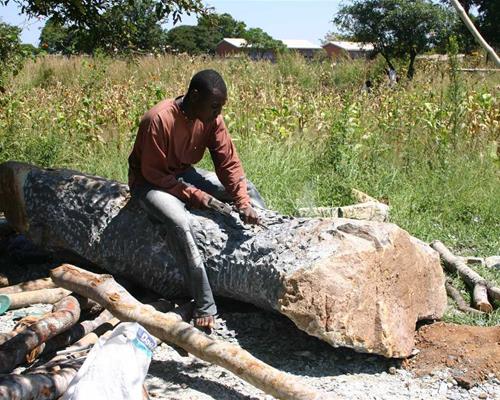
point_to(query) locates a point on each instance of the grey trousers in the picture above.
(171, 213)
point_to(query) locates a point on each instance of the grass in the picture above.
(307, 133)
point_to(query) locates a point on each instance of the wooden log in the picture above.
(70, 336)
(39, 386)
(25, 299)
(323, 274)
(4, 281)
(13, 352)
(170, 327)
(478, 69)
(461, 304)
(48, 382)
(86, 333)
(362, 197)
(370, 211)
(20, 326)
(38, 284)
(475, 281)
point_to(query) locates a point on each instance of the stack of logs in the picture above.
(86, 306)
(482, 290)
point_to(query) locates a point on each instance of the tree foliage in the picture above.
(211, 29)
(258, 39)
(11, 52)
(88, 13)
(203, 37)
(397, 28)
(486, 21)
(109, 25)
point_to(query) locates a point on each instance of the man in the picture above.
(173, 136)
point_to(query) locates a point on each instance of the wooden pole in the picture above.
(13, 352)
(46, 296)
(475, 32)
(461, 304)
(478, 284)
(169, 327)
(38, 284)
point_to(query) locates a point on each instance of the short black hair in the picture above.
(206, 82)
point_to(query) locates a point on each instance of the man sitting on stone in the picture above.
(173, 136)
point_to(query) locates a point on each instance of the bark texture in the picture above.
(351, 283)
(169, 327)
(70, 336)
(480, 286)
(39, 386)
(461, 303)
(369, 211)
(14, 352)
(25, 299)
(38, 284)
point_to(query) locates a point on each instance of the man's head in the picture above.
(206, 95)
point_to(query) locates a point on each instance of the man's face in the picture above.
(208, 107)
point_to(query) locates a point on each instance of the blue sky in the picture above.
(282, 19)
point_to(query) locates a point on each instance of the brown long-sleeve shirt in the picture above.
(168, 143)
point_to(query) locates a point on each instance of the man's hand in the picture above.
(205, 200)
(249, 215)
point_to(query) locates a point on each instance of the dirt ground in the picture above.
(471, 352)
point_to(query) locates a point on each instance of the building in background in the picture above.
(337, 49)
(232, 46)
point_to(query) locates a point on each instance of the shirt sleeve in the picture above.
(228, 165)
(154, 165)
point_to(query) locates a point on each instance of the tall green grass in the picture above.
(307, 133)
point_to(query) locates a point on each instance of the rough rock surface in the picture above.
(350, 283)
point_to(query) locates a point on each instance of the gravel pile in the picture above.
(276, 341)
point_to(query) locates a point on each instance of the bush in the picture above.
(11, 52)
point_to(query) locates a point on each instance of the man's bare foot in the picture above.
(207, 322)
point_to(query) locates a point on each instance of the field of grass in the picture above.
(307, 133)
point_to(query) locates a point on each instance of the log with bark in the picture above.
(13, 352)
(38, 284)
(170, 328)
(25, 299)
(20, 326)
(461, 303)
(481, 288)
(51, 379)
(351, 283)
(70, 336)
(40, 386)
(369, 211)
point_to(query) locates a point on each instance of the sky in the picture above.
(282, 19)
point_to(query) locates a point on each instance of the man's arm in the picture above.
(154, 166)
(230, 171)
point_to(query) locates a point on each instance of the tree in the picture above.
(397, 28)
(211, 29)
(184, 39)
(204, 37)
(11, 52)
(258, 39)
(54, 37)
(86, 13)
(128, 26)
(111, 25)
(486, 21)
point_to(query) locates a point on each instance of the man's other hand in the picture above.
(249, 215)
(205, 200)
